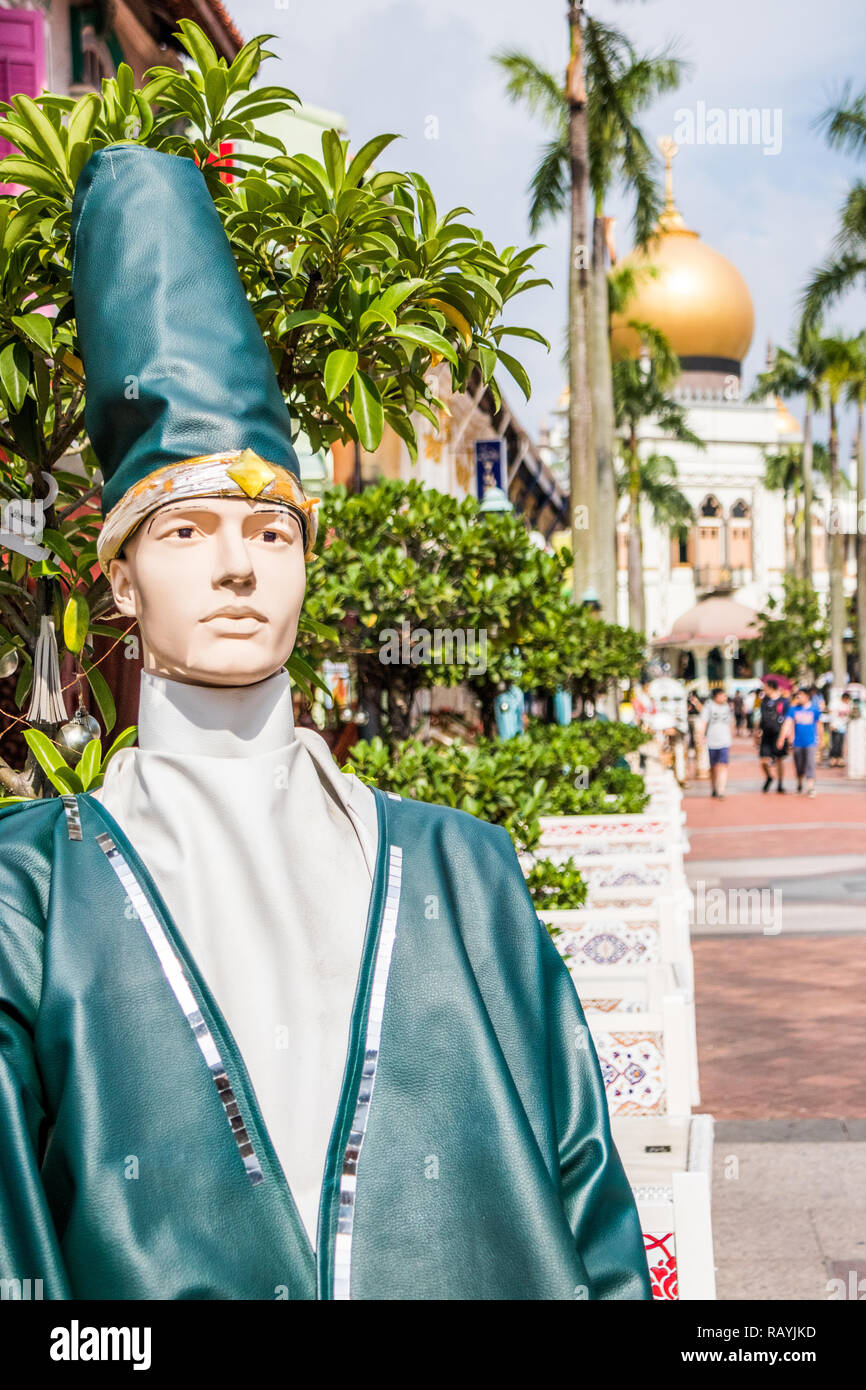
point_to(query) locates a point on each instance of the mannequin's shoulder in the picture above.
(31, 821)
(451, 829)
(28, 839)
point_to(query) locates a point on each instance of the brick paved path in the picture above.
(782, 1018)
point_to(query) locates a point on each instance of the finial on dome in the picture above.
(670, 149)
(671, 218)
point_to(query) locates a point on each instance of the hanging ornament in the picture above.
(75, 735)
(9, 663)
(46, 701)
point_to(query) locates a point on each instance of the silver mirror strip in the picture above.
(73, 816)
(173, 971)
(378, 990)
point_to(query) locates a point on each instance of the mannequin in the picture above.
(265, 1033)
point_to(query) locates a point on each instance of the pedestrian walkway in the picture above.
(780, 978)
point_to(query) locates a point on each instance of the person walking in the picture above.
(769, 735)
(738, 706)
(716, 726)
(801, 729)
(840, 713)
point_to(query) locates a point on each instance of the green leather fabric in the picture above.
(175, 363)
(487, 1169)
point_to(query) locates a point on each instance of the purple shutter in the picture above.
(22, 61)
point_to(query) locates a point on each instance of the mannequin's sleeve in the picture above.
(29, 1249)
(596, 1194)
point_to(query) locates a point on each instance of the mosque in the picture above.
(702, 592)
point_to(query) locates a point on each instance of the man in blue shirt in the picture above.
(801, 726)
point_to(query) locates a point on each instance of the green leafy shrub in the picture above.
(555, 886)
(547, 770)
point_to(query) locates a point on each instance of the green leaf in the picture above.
(246, 64)
(305, 675)
(79, 154)
(88, 766)
(365, 156)
(49, 140)
(59, 545)
(367, 410)
(101, 693)
(198, 45)
(523, 333)
(46, 753)
(124, 740)
(517, 371)
(332, 151)
(65, 780)
(36, 327)
(425, 337)
(14, 169)
(339, 366)
(84, 116)
(216, 89)
(304, 316)
(487, 358)
(15, 367)
(76, 622)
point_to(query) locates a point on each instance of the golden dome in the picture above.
(787, 424)
(698, 299)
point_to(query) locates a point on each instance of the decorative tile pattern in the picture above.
(619, 943)
(611, 1006)
(662, 1261)
(632, 1065)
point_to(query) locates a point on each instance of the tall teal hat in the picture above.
(182, 398)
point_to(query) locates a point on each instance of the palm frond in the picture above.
(549, 185)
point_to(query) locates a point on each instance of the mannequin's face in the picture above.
(216, 585)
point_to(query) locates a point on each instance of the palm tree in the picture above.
(798, 372)
(856, 395)
(640, 392)
(783, 472)
(651, 480)
(840, 364)
(845, 128)
(594, 137)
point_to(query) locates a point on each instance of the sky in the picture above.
(391, 65)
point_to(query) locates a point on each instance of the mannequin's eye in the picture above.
(183, 530)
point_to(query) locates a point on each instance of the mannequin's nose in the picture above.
(233, 560)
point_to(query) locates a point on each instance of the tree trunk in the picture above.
(807, 493)
(582, 467)
(604, 427)
(860, 542)
(837, 560)
(636, 605)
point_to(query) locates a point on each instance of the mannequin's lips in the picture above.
(236, 615)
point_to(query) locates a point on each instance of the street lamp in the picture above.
(495, 500)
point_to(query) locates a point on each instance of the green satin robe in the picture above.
(470, 1156)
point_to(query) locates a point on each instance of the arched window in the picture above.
(709, 540)
(740, 536)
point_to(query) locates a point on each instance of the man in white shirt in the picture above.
(716, 727)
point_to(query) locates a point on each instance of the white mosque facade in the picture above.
(741, 544)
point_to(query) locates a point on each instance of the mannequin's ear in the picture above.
(122, 586)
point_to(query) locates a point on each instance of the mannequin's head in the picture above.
(190, 565)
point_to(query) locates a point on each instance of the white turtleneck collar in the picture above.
(217, 721)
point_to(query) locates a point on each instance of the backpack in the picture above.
(772, 717)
